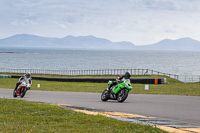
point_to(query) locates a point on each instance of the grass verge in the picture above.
(173, 87)
(23, 116)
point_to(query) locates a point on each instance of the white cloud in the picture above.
(138, 21)
(23, 22)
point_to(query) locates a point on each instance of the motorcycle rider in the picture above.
(27, 76)
(126, 76)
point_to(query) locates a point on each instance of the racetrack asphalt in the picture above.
(181, 108)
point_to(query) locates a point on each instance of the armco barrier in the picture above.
(102, 80)
(149, 80)
(4, 76)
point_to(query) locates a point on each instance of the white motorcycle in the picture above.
(22, 88)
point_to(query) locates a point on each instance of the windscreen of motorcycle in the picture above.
(23, 84)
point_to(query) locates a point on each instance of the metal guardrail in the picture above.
(88, 72)
(101, 80)
(189, 78)
(183, 78)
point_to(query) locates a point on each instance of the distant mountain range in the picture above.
(92, 42)
(182, 44)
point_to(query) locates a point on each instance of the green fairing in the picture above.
(120, 86)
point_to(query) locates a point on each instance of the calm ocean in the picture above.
(174, 62)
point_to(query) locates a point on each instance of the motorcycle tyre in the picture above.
(124, 97)
(22, 94)
(14, 93)
(106, 96)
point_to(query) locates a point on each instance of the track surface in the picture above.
(181, 108)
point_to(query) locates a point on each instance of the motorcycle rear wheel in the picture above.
(122, 95)
(105, 95)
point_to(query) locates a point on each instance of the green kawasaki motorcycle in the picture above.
(119, 91)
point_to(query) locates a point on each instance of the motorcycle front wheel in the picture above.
(122, 95)
(23, 92)
(14, 93)
(105, 95)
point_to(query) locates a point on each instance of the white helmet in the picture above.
(28, 74)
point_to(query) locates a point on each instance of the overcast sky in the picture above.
(138, 21)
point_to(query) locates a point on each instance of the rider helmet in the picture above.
(28, 74)
(127, 75)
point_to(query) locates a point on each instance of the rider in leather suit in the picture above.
(26, 76)
(127, 76)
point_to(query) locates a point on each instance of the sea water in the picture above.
(173, 62)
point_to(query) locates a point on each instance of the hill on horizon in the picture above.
(182, 44)
(92, 42)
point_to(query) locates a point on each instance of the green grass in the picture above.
(188, 89)
(22, 116)
(57, 86)
(173, 87)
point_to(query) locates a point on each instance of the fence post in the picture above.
(199, 78)
(191, 78)
(185, 78)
